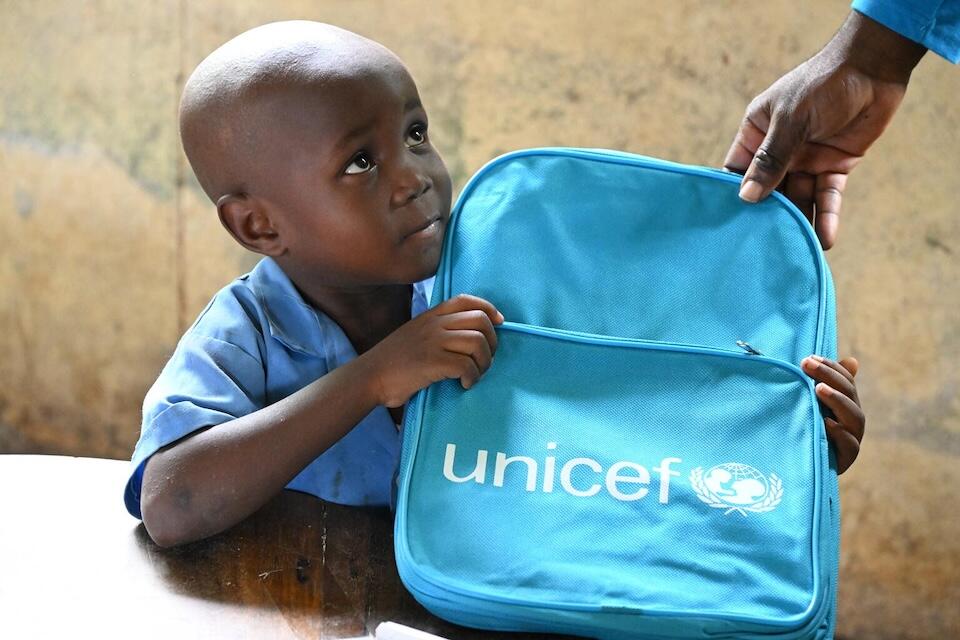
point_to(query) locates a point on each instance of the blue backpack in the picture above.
(644, 458)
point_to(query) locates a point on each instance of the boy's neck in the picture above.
(366, 314)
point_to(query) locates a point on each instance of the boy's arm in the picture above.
(215, 477)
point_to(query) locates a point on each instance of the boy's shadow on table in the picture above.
(321, 569)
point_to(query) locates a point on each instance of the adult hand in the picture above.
(807, 131)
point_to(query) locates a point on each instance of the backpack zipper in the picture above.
(748, 348)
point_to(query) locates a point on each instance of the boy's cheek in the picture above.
(443, 182)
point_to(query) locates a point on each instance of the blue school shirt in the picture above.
(933, 23)
(257, 342)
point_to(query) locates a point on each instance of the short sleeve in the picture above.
(933, 23)
(207, 381)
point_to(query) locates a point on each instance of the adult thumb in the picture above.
(772, 159)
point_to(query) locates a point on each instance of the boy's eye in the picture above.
(417, 135)
(361, 163)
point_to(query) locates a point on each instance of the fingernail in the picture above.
(817, 358)
(811, 363)
(751, 190)
(500, 316)
(824, 389)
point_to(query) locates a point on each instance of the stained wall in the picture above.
(111, 250)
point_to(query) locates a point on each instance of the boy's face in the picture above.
(351, 180)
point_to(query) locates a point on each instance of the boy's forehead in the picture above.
(301, 78)
(327, 108)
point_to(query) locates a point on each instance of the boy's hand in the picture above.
(455, 339)
(838, 391)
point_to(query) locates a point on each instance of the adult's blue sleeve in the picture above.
(933, 23)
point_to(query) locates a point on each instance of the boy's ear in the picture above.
(249, 224)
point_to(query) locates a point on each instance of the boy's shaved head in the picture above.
(312, 142)
(233, 103)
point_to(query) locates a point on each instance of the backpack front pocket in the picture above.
(599, 474)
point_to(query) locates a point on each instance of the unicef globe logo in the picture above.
(737, 487)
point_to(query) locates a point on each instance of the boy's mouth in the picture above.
(428, 228)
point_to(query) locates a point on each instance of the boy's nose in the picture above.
(410, 183)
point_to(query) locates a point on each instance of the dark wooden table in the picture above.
(74, 564)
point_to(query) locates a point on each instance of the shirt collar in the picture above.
(422, 291)
(292, 321)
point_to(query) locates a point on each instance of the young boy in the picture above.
(312, 141)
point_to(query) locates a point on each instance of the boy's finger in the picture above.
(823, 372)
(836, 366)
(848, 413)
(467, 302)
(456, 365)
(846, 444)
(470, 343)
(850, 364)
(475, 320)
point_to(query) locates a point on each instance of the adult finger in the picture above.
(745, 143)
(799, 190)
(466, 302)
(475, 320)
(772, 159)
(829, 196)
(470, 343)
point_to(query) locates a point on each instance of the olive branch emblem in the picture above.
(769, 502)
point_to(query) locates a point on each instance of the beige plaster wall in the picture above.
(110, 250)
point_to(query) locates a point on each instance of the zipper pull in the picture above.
(749, 349)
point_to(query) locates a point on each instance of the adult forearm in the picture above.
(214, 478)
(873, 49)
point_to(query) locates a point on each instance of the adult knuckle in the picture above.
(830, 191)
(792, 111)
(759, 104)
(767, 161)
